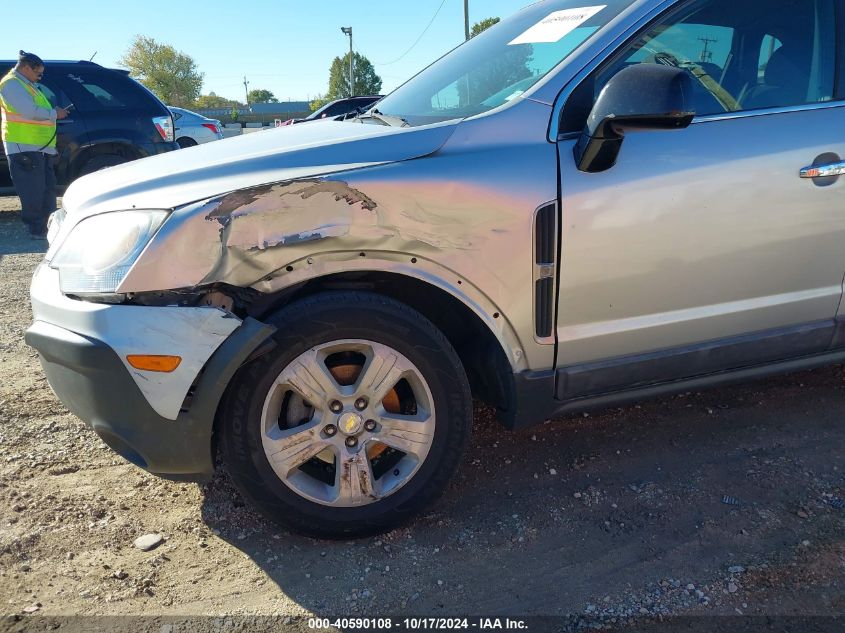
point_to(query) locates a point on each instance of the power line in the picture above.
(430, 22)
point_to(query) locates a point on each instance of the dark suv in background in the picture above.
(114, 118)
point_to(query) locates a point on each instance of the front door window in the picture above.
(742, 55)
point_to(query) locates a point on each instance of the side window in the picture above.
(770, 45)
(47, 85)
(740, 55)
(51, 90)
(708, 45)
(51, 96)
(102, 90)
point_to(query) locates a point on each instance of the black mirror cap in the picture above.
(645, 93)
(644, 96)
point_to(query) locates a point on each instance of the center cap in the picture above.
(350, 423)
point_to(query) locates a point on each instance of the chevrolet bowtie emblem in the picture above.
(350, 423)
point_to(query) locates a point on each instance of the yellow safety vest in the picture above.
(18, 129)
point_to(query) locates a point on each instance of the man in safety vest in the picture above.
(29, 138)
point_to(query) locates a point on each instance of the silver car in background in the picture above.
(579, 207)
(192, 128)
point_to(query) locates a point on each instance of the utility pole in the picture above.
(706, 53)
(466, 19)
(347, 30)
(246, 92)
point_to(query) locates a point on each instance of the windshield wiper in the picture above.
(387, 119)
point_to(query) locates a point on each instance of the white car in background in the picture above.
(192, 128)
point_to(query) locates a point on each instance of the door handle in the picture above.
(824, 171)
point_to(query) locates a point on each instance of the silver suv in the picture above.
(580, 207)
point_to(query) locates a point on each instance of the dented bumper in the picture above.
(142, 416)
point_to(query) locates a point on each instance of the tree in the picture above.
(318, 103)
(366, 81)
(170, 74)
(211, 100)
(261, 96)
(485, 24)
(497, 73)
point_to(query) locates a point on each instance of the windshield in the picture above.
(499, 64)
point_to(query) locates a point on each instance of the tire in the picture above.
(185, 141)
(101, 161)
(316, 484)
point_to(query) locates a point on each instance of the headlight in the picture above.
(100, 250)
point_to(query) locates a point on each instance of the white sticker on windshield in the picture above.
(555, 25)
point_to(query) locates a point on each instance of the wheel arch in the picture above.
(186, 140)
(489, 352)
(86, 154)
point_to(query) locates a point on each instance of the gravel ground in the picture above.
(727, 502)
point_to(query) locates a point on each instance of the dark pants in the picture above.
(35, 183)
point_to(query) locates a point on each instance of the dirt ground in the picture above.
(726, 502)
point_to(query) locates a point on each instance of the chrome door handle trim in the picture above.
(824, 171)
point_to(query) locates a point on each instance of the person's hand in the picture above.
(62, 113)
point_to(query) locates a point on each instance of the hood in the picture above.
(182, 176)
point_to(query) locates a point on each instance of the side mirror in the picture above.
(644, 96)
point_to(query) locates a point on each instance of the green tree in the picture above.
(365, 79)
(318, 103)
(170, 74)
(485, 24)
(211, 100)
(261, 96)
(491, 76)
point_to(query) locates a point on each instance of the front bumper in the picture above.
(82, 347)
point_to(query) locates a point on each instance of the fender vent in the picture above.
(545, 268)
(543, 309)
(544, 235)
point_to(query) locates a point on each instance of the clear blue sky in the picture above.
(285, 47)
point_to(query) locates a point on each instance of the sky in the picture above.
(281, 46)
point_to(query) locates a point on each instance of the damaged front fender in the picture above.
(459, 219)
(246, 236)
(278, 235)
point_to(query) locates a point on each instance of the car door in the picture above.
(118, 112)
(71, 134)
(704, 249)
(178, 122)
(186, 126)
